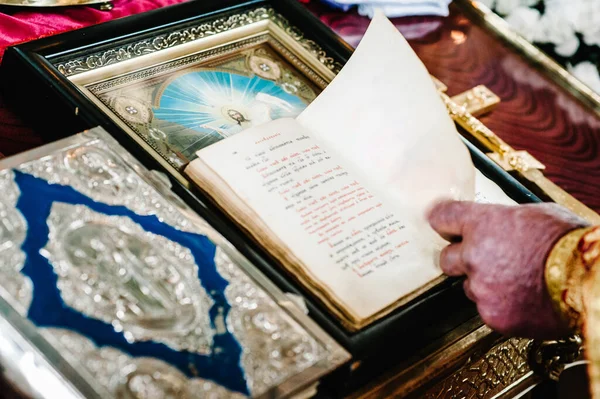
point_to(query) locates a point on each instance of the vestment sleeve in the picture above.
(573, 280)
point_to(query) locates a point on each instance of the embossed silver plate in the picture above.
(116, 249)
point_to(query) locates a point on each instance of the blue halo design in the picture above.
(200, 101)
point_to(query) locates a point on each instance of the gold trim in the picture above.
(486, 375)
(520, 161)
(304, 55)
(471, 361)
(477, 101)
(592, 335)
(443, 356)
(151, 45)
(559, 267)
(279, 25)
(467, 345)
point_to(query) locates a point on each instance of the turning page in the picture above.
(383, 113)
(339, 194)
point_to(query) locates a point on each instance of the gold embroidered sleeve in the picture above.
(573, 281)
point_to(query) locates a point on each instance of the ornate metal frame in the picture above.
(60, 364)
(470, 360)
(197, 45)
(202, 31)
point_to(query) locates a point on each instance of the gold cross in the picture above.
(480, 100)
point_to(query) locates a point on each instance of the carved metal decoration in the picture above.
(134, 98)
(139, 378)
(549, 358)
(98, 172)
(272, 348)
(485, 375)
(109, 268)
(12, 234)
(509, 159)
(178, 37)
(145, 286)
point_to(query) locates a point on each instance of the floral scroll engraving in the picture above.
(178, 37)
(484, 376)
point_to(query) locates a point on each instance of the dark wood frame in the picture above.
(58, 109)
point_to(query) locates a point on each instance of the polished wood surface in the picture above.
(535, 113)
(15, 133)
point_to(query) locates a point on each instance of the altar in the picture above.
(527, 124)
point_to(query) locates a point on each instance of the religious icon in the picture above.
(202, 107)
(179, 111)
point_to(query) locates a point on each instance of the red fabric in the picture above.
(18, 25)
(22, 25)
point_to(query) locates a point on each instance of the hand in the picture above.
(502, 250)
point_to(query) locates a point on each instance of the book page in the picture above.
(488, 192)
(383, 113)
(343, 189)
(348, 235)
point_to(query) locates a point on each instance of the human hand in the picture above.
(502, 250)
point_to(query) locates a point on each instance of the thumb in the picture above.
(451, 219)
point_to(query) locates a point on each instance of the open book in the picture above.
(339, 194)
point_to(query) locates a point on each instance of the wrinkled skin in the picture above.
(502, 250)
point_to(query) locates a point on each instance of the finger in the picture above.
(451, 219)
(493, 317)
(468, 290)
(451, 260)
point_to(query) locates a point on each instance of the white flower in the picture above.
(587, 73)
(582, 15)
(524, 21)
(568, 47)
(554, 28)
(505, 7)
(548, 4)
(591, 35)
(567, 10)
(587, 21)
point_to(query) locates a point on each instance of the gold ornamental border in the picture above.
(203, 30)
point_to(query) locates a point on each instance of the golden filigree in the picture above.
(477, 101)
(485, 375)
